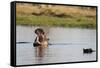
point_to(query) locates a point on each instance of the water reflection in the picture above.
(39, 51)
(27, 54)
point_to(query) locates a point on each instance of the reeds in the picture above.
(48, 15)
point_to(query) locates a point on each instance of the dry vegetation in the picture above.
(68, 16)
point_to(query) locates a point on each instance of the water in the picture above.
(74, 40)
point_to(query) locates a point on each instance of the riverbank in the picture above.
(55, 15)
(81, 22)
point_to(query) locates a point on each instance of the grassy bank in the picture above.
(81, 22)
(54, 16)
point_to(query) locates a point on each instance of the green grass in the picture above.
(78, 21)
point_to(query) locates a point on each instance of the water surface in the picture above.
(68, 44)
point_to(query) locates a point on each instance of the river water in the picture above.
(67, 45)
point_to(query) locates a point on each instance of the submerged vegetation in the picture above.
(54, 15)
